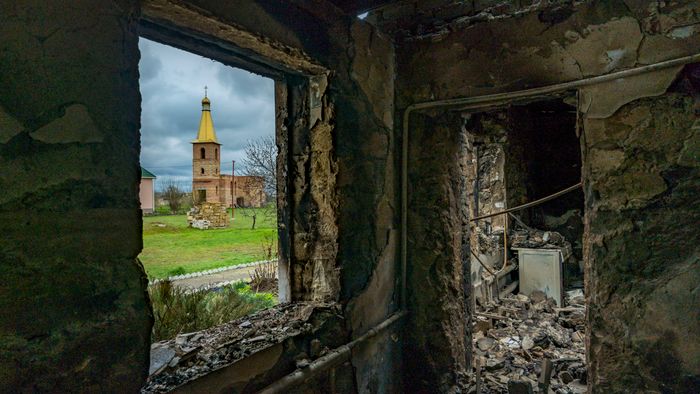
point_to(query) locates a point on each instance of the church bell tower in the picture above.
(206, 163)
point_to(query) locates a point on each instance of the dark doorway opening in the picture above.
(526, 264)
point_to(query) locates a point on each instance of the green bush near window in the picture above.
(178, 311)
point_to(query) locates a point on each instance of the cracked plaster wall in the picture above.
(506, 54)
(74, 315)
(639, 166)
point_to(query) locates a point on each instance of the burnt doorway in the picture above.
(526, 265)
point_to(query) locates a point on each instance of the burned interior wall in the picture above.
(494, 55)
(487, 185)
(74, 314)
(439, 286)
(642, 178)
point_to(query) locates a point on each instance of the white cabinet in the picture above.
(541, 269)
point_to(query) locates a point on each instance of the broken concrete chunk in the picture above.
(485, 343)
(160, 357)
(246, 324)
(493, 364)
(566, 377)
(527, 343)
(519, 387)
(174, 362)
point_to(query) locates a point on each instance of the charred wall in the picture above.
(641, 177)
(74, 315)
(70, 119)
(439, 286)
(637, 315)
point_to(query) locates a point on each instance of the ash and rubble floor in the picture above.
(513, 336)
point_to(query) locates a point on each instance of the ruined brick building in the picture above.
(208, 183)
(377, 123)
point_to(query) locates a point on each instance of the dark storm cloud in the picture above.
(172, 87)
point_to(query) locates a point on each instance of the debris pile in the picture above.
(189, 356)
(513, 337)
(208, 215)
(533, 238)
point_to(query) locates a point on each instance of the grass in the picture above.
(177, 311)
(170, 247)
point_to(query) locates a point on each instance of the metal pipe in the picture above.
(336, 357)
(505, 242)
(531, 203)
(482, 263)
(493, 99)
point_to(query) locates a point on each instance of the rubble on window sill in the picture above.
(189, 356)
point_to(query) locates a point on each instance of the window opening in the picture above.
(205, 207)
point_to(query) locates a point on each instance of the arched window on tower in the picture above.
(202, 170)
(216, 153)
(202, 153)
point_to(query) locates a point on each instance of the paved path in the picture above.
(235, 274)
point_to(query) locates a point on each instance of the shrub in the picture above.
(264, 276)
(180, 270)
(177, 310)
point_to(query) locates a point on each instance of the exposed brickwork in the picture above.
(213, 213)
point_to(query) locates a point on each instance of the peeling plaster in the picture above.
(602, 100)
(9, 126)
(603, 48)
(75, 125)
(375, 78)
(682, 32)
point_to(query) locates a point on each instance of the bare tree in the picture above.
(173, 192)
(260, 161)
(257, 207)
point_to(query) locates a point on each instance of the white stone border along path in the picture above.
(211, 271)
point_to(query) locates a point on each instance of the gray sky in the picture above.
(172, 87)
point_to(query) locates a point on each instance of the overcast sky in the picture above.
(172, 88)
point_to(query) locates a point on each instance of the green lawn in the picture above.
(177, 249)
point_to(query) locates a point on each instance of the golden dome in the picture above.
(206, 125)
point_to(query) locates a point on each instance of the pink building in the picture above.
(147, 191)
